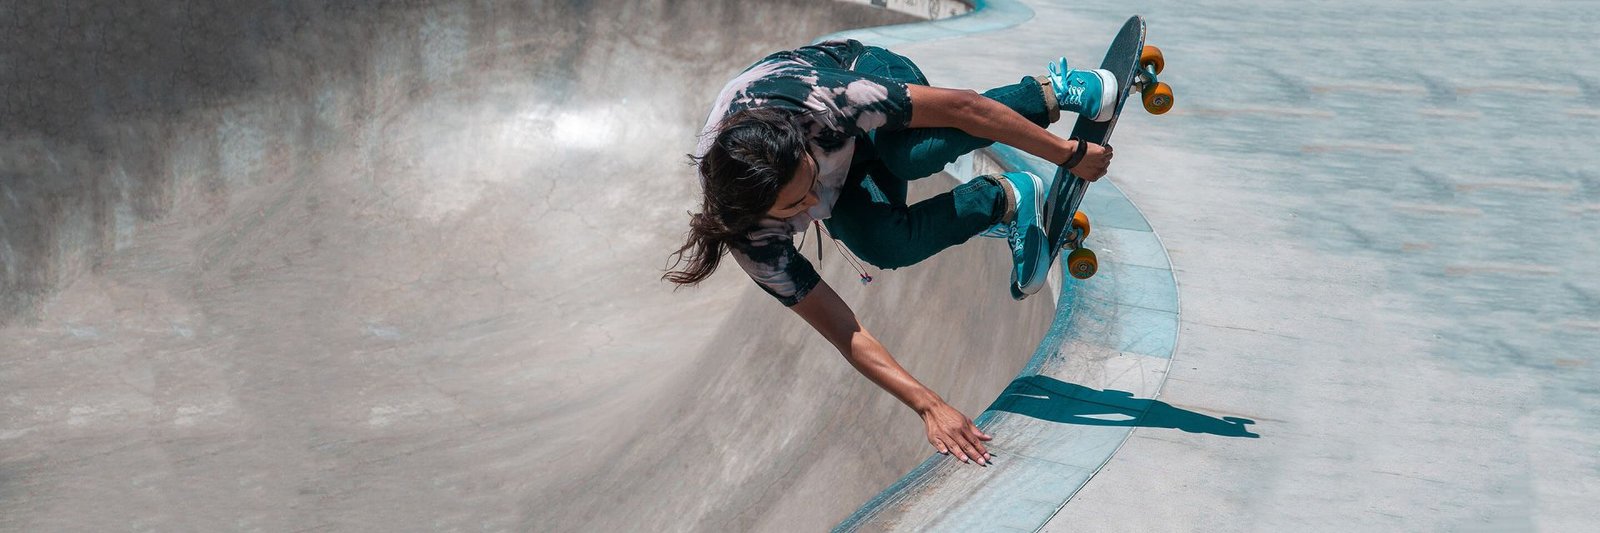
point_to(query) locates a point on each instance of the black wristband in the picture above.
(1077, 155)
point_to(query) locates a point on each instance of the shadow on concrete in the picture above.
(1047, 398)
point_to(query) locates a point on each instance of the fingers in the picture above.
(1092, 173)
(969, 445)
(1094, 166)
(965, 447)
(960, 447)
(956, 435)
(975, 440)
(970, 451)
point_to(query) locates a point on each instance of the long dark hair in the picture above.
(754, 154)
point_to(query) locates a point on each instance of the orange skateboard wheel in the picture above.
(1080, 221)
(1158, 99)
(1152, 56)
(1082, 264)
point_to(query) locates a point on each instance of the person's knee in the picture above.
(916, 156)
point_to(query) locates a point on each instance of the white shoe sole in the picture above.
(1042, 264)
(1108, 95)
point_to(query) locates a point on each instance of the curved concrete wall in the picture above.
(393, 266)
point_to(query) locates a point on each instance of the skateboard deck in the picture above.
(1135, 67)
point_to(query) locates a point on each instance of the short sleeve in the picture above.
(852, 103)
(777, 267)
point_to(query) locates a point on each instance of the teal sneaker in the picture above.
(1025, 233)
(1091, 94)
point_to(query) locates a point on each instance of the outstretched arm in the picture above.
(968, 111)
(948, 430)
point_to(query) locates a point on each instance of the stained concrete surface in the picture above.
(393, 266)
(1400, 296)
(1382, 221)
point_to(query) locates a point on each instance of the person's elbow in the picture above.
(830, 316)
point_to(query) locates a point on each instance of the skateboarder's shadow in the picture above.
(1051, 399)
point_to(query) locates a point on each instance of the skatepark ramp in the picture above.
(312, 265)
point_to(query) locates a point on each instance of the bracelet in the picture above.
(1077, 155)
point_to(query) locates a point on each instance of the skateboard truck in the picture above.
(1157, 96)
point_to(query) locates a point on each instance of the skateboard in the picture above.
(1135, 65)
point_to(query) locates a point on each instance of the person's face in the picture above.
(796, 197)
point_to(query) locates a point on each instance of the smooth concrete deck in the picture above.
(1382, 220)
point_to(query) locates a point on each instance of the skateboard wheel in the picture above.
(1082, 264)
(1151, 56)
(1158, 99)
(1080, 222)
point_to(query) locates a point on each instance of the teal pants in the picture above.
(871, 216)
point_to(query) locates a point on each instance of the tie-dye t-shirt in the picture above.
(834, 106)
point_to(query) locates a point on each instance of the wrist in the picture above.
(1079, 149)
(1067, 147)
(925, 402)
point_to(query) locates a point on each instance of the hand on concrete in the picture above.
(1094, 163)
(951, 432)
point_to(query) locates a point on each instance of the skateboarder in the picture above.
(832, 132)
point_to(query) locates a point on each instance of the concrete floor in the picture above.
(319, 266)
(1382, 219)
